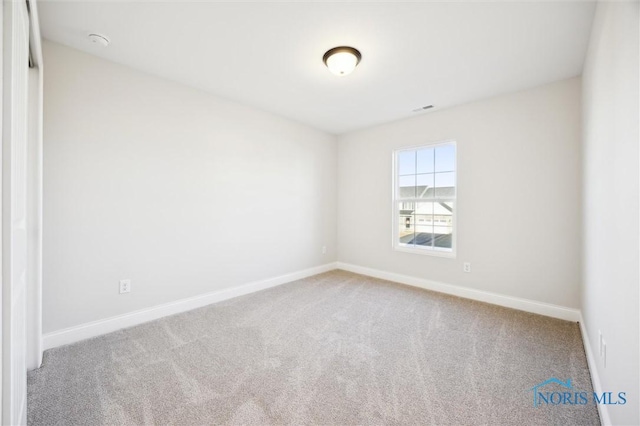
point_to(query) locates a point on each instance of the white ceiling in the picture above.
(269, 55)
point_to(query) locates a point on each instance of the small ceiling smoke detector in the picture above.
(99, 39)
(342, 60)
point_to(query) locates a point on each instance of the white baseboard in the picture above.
(593, 369)
(108, 325)
(526, 305)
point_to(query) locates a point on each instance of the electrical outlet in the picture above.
(324, 249)
(466, 267)
(125, 286)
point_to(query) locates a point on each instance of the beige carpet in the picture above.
(333, 349)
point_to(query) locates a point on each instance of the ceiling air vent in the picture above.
(422, 108)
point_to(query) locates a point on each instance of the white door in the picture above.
(14, 210)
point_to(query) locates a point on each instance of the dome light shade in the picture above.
(342, 60)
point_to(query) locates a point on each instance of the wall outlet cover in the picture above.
(125, 286)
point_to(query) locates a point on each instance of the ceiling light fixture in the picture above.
(342, 60)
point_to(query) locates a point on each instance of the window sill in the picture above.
(425, 251)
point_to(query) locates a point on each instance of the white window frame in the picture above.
(395, 240)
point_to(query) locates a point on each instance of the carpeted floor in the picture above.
(333, 349)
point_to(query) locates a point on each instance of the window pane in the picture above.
(445, 184)
(445, 158)
(425, 160)
(443, 236)
(443, 224)
(406, 209)
(424, 186)
(424, 236)
(406, 163)
(424, 208)
(407, 186)
(424, 219)
(405, 226)
(407, 206)
(424, 224)
(443, 214)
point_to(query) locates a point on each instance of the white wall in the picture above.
(182, 192)
(611, 192)
(518, 194)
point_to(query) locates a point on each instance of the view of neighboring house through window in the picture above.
(424, 198)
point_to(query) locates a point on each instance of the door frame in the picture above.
(21, 212)
(34, 192)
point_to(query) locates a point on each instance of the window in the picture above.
(424, 197)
